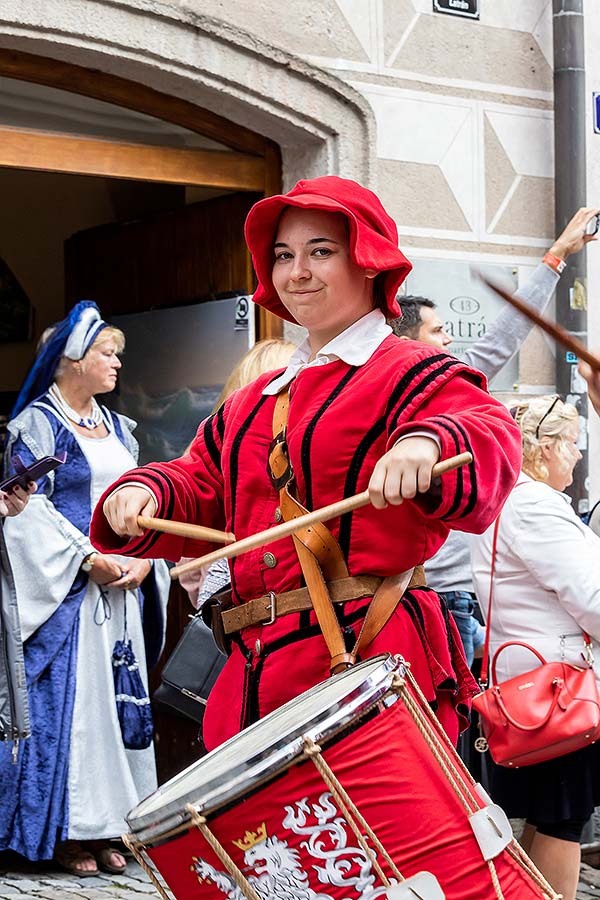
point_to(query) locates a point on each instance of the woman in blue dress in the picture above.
(64, 791)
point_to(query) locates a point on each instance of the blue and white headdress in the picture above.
(72, 337)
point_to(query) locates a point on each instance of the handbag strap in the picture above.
(557, 686)
(485, 661)
(514, 644)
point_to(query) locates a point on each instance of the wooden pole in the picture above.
(560, 334)
(287, 528)
(183, 529)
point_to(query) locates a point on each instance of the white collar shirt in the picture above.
(354, 346)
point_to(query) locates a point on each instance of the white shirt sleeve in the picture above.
(136, 484)
(506, 335)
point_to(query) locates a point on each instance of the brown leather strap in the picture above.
(317, 538)
(309, 541)
(386, 599)
(271, 606)
(323, 607)
(321, 557)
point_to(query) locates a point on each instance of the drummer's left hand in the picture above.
(403, 471)
(134, 572)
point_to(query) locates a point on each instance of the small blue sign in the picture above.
(596, 101)
(570, 357)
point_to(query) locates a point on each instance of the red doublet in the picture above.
(342, 419)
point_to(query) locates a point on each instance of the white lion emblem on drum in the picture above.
(278, 870)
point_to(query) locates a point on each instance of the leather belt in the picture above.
(264, 610)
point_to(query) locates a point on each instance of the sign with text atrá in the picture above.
(467, 8)
(468, 308)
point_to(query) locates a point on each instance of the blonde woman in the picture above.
(264, 356)
(546, 593)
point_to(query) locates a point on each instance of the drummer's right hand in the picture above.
(124, 506)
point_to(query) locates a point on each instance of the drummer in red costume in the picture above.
(366, 409)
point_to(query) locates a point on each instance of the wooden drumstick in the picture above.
(560, 334)
(318, 515)
(183, 529)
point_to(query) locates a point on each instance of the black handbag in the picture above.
(190, 672)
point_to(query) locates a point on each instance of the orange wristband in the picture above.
(555, 263)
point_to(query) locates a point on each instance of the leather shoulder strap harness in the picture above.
(322, 560)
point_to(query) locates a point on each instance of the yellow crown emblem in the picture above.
(251, 838)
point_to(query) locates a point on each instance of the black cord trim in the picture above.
(374, 433)
(149, 540)
(220, 414)
(406, 401)
(473, 495)
(211, 444)
(308, 434)
(234, 463)
(458, 494)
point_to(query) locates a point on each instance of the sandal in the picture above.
(70, 855)
(105, 857)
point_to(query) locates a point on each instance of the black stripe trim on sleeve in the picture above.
(148, 540)
(418, 389)
(373, 435)
(473, 495)
(210, 443)
(310, 429)
(458, 495)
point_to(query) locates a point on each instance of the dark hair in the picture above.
(379, 297)
(410, 322)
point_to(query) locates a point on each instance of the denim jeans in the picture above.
(461, 604)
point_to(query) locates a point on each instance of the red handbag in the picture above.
(539, 715)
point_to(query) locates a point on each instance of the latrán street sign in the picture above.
(467, 8)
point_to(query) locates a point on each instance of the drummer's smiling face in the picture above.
(315, 276)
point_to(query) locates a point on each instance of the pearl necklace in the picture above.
(92, 421)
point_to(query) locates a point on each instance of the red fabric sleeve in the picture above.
(466, 418)
(188, 489)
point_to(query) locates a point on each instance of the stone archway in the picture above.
(322, 125)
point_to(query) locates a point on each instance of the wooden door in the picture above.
(184, 256)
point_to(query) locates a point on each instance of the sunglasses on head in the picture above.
(545, 416)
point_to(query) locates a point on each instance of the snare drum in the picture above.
(342, 793)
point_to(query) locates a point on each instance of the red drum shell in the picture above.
(390, 773)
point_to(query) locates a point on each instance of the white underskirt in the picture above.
(105, 780)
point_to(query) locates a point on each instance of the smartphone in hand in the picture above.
(25, 474)
(593, 225)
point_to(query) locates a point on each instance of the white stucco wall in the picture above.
(450, 119)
